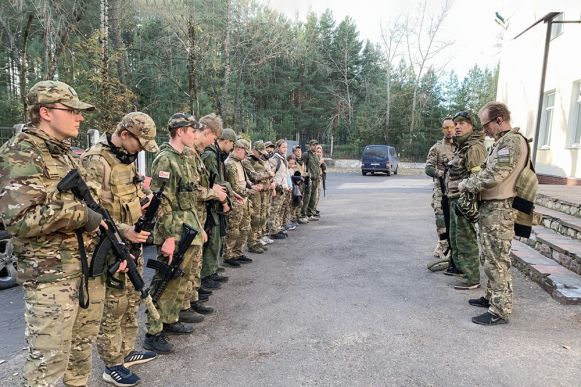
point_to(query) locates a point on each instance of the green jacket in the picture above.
(179, 198)
(468, 157)
(212, 158)
(312, 165)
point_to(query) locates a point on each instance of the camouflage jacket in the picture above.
(497, 179)
(236, 176)
(312, 165)
(256, 170)
(120, 191)
(204, 193)
(42, 220)
(468, 157)
(179, 198)
(212, 158)
(438, 157)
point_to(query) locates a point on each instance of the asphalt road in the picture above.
(347, 301)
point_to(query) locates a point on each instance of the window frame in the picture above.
(546, 127)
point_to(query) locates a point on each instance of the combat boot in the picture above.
(210, 284)
(278, 236)
(219, 278)
(189, 316)
(199, 308)
(231, 262)
(203, 297)
(157, 343)
(177, 329)
(244, 259)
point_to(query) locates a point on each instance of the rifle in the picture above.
(173, 270)
(215, 204)
(324, 178)
(110, 238)
(147, 221)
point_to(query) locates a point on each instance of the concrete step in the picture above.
(561, 249)
(562, 284)
(564, 224)
(564, 199)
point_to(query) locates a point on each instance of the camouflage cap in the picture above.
(259, 147)
(141, 126)
(268, 144)
(182, 120)
(242, 143)
(229, 134)
(49, 92)
(313, 142)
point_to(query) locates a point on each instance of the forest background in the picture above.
(268, 76)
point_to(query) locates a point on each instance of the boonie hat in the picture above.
(141, 126)
(48, 92)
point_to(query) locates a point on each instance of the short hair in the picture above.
(291, 157)
(214, 122)
(496, 109)
(33, 113)
(447, 118)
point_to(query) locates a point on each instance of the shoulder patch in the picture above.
(164, 175)
(504, 152)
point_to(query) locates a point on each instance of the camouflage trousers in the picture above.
(266, 203)
(211, 252)
(464, 243)
(312, 202)
(286, 208)
(171, 301)
(438, 212)
(60, 334)
(496, 232)
(274, 222)
(238, 229)
(257, 218)
(192, 286)
(119, 324)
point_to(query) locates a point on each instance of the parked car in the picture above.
(379, 158)
(7, 260)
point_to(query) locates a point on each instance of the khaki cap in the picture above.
(141, 126)
(241, 143)
(49, 92)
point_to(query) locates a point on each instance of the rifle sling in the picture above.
(84, 285)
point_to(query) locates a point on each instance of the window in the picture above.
(546, 120)
(576, 116)
(557, 28)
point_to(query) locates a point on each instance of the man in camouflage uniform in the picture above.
(206, 133)
(300, 166)
(239, 216)
(255, 168)
(496, 183)
(438, 156)
(313, 168)
(111, 163)
(177, 207)
(468, 156)
(269, 194)
(213, 157)
(45, 225)
(281, 200)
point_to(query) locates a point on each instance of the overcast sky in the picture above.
(470, 24)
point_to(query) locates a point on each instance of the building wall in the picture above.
(520, 77)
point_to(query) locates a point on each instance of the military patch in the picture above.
(504, 152)
(163, 175)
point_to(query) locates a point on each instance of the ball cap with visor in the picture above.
(259, 147)
(268, 144)
(313, 142)
(142, 127)
(242, 143)
(463, 116)
(49, 92)
(229, 134)
(182, 120)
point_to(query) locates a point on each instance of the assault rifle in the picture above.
(173, 270)
(73, 182)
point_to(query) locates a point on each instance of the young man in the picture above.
(496, 184)
(111, 163)
(279, 165)
(436, 163)
(300, 166)
(469, 155)
(178, 207)
(46, 227)
(313, 168)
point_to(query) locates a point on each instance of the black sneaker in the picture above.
(219, 278)
(244, 259)
(203, 297)
(277, 236)
(231, 262)
(157, 343)
(177, 329)
(489, 319)
(202, 290)
(210, 284)
(138, 357)
(480, 302)
(120, 376)
(453, 272)
(190, 317)
(199, 308)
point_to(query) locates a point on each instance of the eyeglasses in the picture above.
(464, 115)
(447, 127)
(70, 110)
(488, 123)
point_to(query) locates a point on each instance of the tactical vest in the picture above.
(240, 183)
(120, 195)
